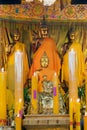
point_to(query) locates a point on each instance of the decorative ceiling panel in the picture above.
(35, 11)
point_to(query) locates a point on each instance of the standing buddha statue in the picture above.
(18, 46)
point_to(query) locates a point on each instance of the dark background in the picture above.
(78, 1)
(19, 1)
(10, 1)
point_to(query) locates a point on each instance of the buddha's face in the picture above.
(16, 37)
(44, 32)
(72, 36)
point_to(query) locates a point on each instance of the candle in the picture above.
(55, 94)
(2, 98)
(71, 113)
(85, 117)
(73, 89)
(18, 121)
(85, 122)
(34, 101)
(86, 89)
(18, 88)
(78, 115)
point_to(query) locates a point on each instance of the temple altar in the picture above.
(46, 110)
(46, 122)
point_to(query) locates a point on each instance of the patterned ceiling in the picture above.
(34, 11)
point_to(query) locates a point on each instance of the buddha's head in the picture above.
(43, 28)
(44, 32)
(72, 35)
(16, 35)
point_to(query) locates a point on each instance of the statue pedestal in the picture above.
(42, 122)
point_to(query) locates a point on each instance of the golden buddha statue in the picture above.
(72, 44)
(10, 65)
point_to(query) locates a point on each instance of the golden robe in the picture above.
(80, 59)
(10, 66)
(49, 47)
